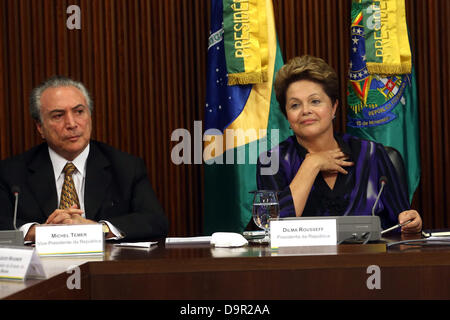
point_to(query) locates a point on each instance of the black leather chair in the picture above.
(397, 161)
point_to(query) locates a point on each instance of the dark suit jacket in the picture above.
(117, 189)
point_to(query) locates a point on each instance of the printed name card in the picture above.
(19, 263)
(77, 239)
(302, 232)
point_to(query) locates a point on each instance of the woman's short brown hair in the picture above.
(306, 68)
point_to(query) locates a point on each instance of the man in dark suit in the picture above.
(71, 179)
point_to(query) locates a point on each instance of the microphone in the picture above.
(383, 181)
(13, 237)
(367, 228)
(15, 191)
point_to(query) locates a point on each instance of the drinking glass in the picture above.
(265, 208)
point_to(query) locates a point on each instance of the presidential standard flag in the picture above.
(242, 117)
(382, 99)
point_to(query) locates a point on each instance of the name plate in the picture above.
(19, 263)
(302, 232)
(76, 239)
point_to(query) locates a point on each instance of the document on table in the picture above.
(136, 244)
(189, 240)
(443, 235)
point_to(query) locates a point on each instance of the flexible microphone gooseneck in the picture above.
(383, 182)
(15, 191)
(13, 237)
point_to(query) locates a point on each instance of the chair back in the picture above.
(397, 161)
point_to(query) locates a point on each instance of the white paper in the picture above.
(443, 238)
(442, 235)
(136, 244)
(188, 240)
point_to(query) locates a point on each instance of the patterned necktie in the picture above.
(69, 195)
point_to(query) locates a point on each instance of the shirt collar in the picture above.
(59, 162)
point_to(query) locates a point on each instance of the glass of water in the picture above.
(265, 208)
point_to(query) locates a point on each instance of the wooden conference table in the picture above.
(197, 272)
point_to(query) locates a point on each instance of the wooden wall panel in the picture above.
(319, 28)
(145, 65)
(430, 35)
(142, 63)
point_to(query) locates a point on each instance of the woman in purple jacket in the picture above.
(322, 173)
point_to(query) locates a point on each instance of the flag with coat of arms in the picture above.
(382, 97)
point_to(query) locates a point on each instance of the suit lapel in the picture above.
(98, 178)
(41, 180)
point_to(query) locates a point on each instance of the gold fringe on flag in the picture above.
(387, 42)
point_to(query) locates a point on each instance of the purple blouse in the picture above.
(353, 194)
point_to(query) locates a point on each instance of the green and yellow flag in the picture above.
(246, 41)
(386, 37)
(382, 98)
(242, 117)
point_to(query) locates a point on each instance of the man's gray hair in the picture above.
(54, 82)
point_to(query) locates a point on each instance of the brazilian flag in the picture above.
(242, 117)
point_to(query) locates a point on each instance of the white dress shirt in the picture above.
(79, 178)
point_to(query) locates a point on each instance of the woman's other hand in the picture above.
(415, 226)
